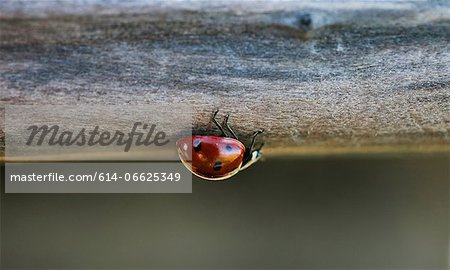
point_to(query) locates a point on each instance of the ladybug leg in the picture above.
(217, 123)
(225, 123)
(260, 146)
(255, 134)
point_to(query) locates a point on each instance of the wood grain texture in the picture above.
(318, 78)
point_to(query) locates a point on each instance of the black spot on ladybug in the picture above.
(197, 145)
(228, 147)
(217, 165)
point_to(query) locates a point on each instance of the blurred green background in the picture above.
(385, 212)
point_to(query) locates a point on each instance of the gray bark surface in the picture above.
(318, 78)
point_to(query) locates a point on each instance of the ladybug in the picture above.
(218, 157)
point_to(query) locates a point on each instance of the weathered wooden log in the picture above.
(319, 78)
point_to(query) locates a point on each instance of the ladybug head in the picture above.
(251, 154)
(251, 157)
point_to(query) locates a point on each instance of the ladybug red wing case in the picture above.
(213, 158)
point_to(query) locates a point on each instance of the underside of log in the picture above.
(318, 79)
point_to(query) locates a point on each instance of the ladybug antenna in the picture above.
(225, 123)
(217, 123)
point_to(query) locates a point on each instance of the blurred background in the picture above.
(342, 212)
